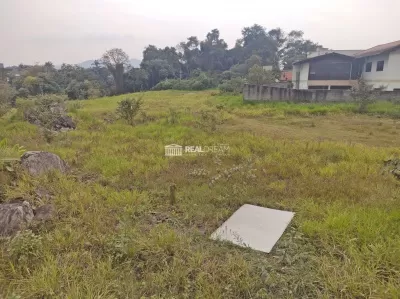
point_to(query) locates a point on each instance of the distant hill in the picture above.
(88, 63)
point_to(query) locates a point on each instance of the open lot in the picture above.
(117, 235)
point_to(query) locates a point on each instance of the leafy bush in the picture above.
(209, 120)
(362, 93)
(23, 92)
(78, 90)
(7, 98)
(74, 106)
(173, 116)
(235, 85)
(257, 75)
(201, 82)
(25, 247)
(8, 154)
(129, 108)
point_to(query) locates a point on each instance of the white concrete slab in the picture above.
(255, 227)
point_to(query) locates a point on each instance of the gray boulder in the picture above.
(63, 123)
(45, 213)
(13, 216)
(393, 166)
(37, 163)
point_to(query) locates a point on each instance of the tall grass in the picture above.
(117, 236)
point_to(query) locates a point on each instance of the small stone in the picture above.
(42, 193)
(45, 213)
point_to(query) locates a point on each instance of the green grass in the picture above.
(117, 236)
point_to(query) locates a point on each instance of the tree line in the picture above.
(192, 64)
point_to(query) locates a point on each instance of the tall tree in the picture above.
(115, 60)
(190, 54)
(256, 41)
(295, 47)
(157, 70)
(49, 67)
(213, 52)
(168, 54)
(136, 79)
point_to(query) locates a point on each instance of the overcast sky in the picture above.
(72, 31)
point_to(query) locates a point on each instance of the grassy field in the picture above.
(117, 235)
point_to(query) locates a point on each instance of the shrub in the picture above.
(208, 120)
(7, 98)
(77, 90)
(173, 116)
(257, 75)
(200, 82)
(23, 92)
(362, 93)
(8, 154)
(235, 85)
(75, 106)
(129, 108)
(25, 247)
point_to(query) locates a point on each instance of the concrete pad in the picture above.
(255, 227)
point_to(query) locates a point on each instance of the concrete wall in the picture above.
(390, 76)
(304, 69)
(303, 79)
(270, 93)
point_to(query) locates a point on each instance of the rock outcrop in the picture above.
(37, 163)
(393, 166)
(50, 115)
(14, 216)
(45, 213)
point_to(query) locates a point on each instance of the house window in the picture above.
(379, 66)
(368, 67)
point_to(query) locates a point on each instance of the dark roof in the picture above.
(379, 49)
(333, 54)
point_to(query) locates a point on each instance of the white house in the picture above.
(381, 66)
(340, 69)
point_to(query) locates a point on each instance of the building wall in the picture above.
(303, 80)
(304, 83)
(270, 94)
(330, 68)
(390, 76)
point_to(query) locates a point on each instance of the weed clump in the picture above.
(209, 120)
(129, 108)
(8, 96)
(362, 93)
(25, 247)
